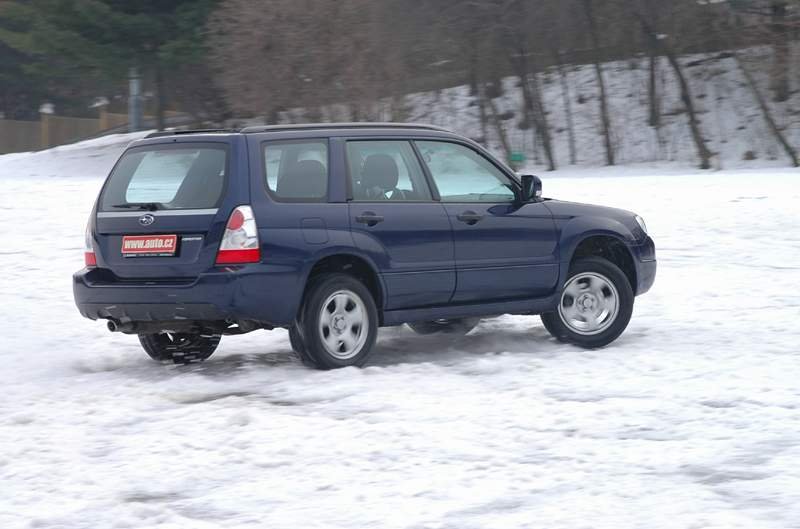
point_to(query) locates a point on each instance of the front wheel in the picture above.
(595, 305)
(339, 322)
(179, 348)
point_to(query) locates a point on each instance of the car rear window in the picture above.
(182, 176)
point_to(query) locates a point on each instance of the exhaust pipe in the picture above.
(117, 326)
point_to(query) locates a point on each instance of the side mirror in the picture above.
(531, 187)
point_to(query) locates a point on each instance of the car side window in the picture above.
(385, 170)
(463, 175)
(297, 170)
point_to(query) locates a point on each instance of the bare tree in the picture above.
(274, 59)
(567, 98)
(660, 43)
(775, 24)
(653, 96)
(500, 129)
(605, 120)
(532, 98)
(765, 111)
(780, 35)
(518, 23)
(359, 59)
(735, 36)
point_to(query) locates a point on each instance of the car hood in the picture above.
(561, 208)
(598, 216)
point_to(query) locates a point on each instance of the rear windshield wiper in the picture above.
(146, 206)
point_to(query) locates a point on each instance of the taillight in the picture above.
(88, 247)
(240, 242)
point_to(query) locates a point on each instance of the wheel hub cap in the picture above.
(586, 302)
(589, 303)
(343, 324)
(339, 325)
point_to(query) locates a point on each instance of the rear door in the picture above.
(294, 200)
(163, 209)
(394, 219)
(503, 249)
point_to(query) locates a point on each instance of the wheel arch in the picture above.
(599, 237)
(609, 247)
(352, 263)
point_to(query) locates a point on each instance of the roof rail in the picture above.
(357, 125)
(161, 133)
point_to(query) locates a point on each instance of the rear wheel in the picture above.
(299, 348)
(339, 323)
(458, 326)
(179, 348)
(595, 305)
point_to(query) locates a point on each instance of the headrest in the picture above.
(379, 170)
(305, 179)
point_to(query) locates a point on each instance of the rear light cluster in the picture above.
(89, 256)
(240, 242)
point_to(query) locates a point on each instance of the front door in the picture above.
(503, 249)
(395, 221)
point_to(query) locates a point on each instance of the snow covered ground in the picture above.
(690, 420)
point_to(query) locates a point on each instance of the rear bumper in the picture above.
(263, 293)
(645, 261)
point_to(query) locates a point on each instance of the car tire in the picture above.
(550, 324)
(339, 322)
(299, 348)
(458, 326)
(179, 348)
(595, 305)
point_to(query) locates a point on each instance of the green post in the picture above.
(516, 159)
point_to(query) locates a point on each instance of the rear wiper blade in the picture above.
(146, 206)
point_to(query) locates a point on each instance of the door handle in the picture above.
(369, 218)
(470, 217)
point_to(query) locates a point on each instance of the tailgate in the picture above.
(196, 235)
(158, 215)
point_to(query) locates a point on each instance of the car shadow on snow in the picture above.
(401, 345)
(395, 346)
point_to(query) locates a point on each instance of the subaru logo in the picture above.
(146, 220)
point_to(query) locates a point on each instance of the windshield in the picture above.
(178, 176)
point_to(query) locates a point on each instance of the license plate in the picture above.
(149, 245)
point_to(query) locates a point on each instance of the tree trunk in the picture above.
(562, 75)
(605, 120)
(355, 115)
(780, 65)
(654, 119)
(498, 124)
(762, 104)
(479, 94)
(159, 82)
(531, 86)
(484, 121)
(654, 99)
(686, 94)
(532, 96)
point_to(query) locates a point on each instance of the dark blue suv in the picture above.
(334, 230)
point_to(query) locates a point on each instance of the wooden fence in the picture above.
(51, 130)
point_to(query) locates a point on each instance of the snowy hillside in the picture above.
(690, 420)
(731, 121)
(730, 118)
